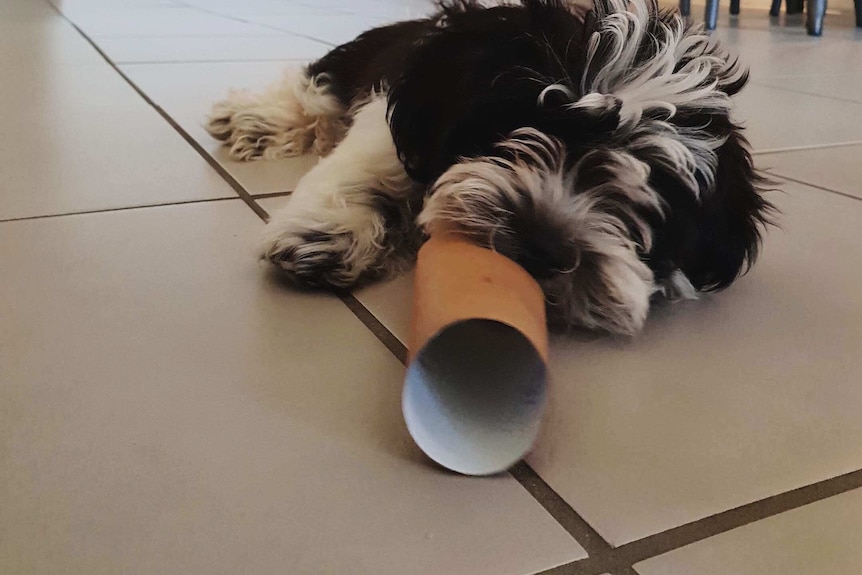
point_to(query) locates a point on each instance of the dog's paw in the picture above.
(252, 130)
(320, 253)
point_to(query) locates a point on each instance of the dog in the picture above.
(594, 146)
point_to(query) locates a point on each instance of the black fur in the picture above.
(459, 82)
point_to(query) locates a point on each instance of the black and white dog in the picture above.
(593, 146)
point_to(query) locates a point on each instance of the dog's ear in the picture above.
(730, 219)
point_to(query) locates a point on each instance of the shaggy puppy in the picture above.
(593, 146)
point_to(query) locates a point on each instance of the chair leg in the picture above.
(858, 4)
(775, 8)
(685, 7)
(794, 6)
(711, 14)
(734, 7)
(814, 20)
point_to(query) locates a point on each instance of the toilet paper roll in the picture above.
(476, 382)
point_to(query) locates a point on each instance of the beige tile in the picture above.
(389, 301)
(334, 25)
(169, 49)
(253, 9)
(388, 9)
(846, 86)
(167, 406)
(83, 6)
(722, 401)
(787, 50)
(172, 20)
(777, 119)
(838, 169)
(819, 538)
(84, 140)
(333, 28)
(188, 91)
(784, 61)
(43, 40)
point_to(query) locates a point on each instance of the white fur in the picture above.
(288, 119)
(656, 87)
(677, 287)
(609, 285)
(332, 231)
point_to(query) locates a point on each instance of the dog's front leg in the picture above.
(351, 217)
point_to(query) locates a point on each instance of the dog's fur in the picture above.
(593, 146)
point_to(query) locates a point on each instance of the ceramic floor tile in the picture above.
(838, 169)
(777, 119)
(161, 21)
(839, 21)
(188, 91)
(251, 9)
(43, 38)
(722, 401)
(333, 28)
(845, 86)
(85, 6)
(389, 301)
(210, 48)
(819, 538)
(168, 406)
(392, 10)
(326, 24)
(777, 51)
(84, 140)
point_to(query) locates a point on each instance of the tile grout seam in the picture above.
(557, 507)
(629, 554)
(804, 148)
(119, 209)
(231, 181)
(804, 92)
(266, 196)
(265, 26)
(817, 187)
(604, 558)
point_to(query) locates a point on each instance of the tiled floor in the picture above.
(169, 405)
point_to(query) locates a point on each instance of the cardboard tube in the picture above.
(475, 386)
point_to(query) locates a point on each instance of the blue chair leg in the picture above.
(734, 7)
(711, 14)
(775, 8)
(685, 7)
(814, 17)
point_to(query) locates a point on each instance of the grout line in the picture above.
(258, 24)
(120, 209)
(805, 92)
(214, 37)
(699, 530)
(219, 61)
(237, 187)
(271, 195)
(627, 555)
(560, 510)
(380, 331)
(817, 187)
(768, 151)
(550, 500)
(604, 558)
